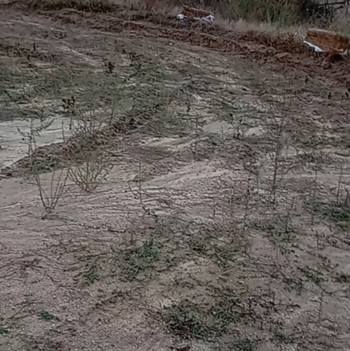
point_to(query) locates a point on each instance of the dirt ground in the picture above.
(224, 222)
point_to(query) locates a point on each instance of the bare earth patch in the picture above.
(223, 222)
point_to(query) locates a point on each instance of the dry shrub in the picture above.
(51, 193)
(93, 161)
(88, 175)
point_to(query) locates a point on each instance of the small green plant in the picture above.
(198, 245)
(92, 275)
(281, 337)
(243, 345)
(295, 284)
(186, 322)
(47, 315)
(223, 255)
(196, 322)
(4, 330)
(44, 165)
(137, 260)
(313, 274)
(223, 317)
(343, 278)
(338, 211)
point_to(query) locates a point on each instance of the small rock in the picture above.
(283, 56)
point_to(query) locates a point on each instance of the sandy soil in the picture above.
(224, 222)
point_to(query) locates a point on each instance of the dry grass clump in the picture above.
(81, 5)
(287, 12)
(284, 12)
(271, 11)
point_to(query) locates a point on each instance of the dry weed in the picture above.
(93, 161)
(49, 197)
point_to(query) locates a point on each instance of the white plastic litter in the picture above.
(318, 49)
(209, 18)
(315, 47)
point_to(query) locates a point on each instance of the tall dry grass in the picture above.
(290, 14)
